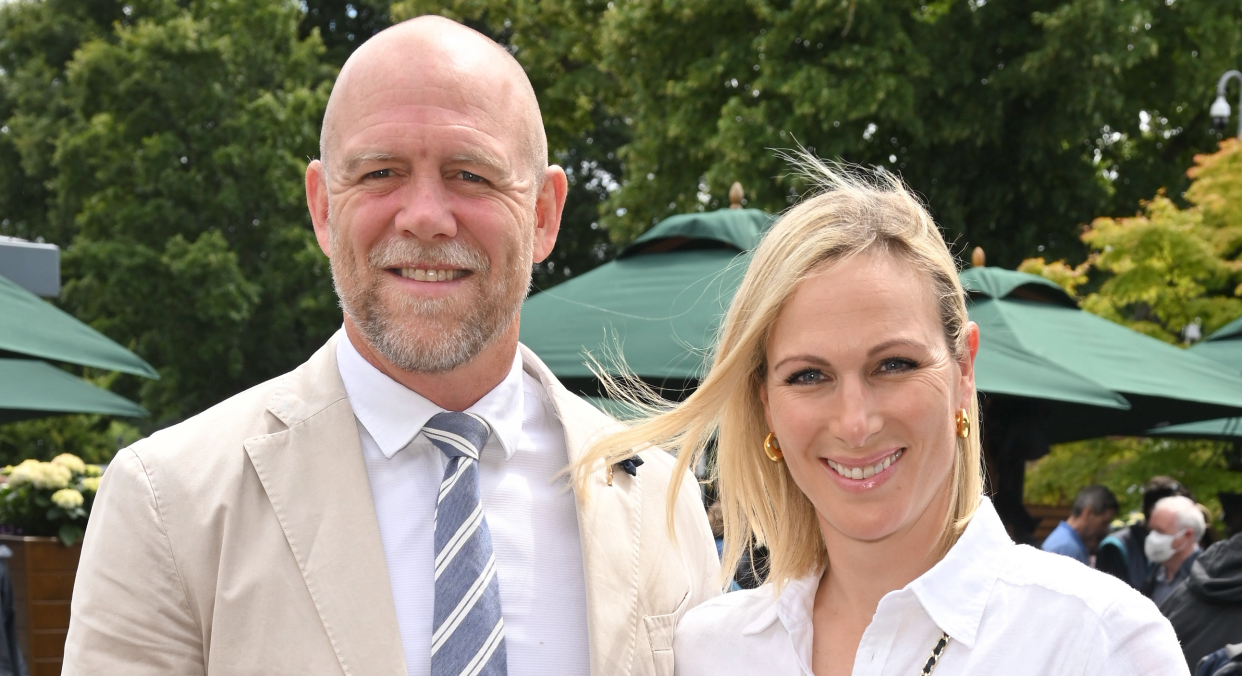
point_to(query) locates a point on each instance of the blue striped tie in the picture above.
(469, 633)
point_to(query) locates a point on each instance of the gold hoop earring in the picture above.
(963, 423)
(772, 447)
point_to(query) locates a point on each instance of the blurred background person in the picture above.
(1172, 544)
(1121, 554)
(1206, 610)
(1231, 512)
(1078, 537)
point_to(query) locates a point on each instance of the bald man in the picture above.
(395, 505)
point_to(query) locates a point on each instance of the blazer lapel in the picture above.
(315, 477)
(609, 525)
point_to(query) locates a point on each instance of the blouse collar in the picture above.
(953, 593)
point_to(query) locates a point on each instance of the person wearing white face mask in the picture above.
(1173, 544)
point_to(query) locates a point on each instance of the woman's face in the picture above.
(861, 390)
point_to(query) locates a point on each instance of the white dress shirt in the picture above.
(1008, 609)
(533, 519)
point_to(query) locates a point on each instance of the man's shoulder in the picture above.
(1062, 540)
(219, 429)
(213, 440)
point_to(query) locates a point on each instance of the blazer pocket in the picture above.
(660, 630)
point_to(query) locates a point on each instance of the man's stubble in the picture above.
(430, 335)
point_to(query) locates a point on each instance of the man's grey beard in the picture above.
(426, 335)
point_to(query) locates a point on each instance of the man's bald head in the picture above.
(431, 51)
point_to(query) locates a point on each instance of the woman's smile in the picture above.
(864, 474)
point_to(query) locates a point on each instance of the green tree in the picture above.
(1015, 120)
(1156, 272)
(168, 152)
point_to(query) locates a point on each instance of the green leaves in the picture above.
(169, 158)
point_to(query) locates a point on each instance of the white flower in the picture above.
(67, 498)
(24, 473)
(93, 470)
(90, 483)
(71, 462)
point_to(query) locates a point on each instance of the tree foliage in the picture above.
(166, 158)
(1017, 121)
(1156, 272)
(1167, 267)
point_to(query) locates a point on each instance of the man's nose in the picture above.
(855, 418)
(426, 209)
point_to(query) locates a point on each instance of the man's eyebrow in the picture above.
(480, 157)
(352, 162)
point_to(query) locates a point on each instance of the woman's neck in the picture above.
(859, 574)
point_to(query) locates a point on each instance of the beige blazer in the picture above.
(244, 541)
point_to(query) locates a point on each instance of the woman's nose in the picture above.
(854, 415)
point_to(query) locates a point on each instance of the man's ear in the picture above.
(317, 202)
(549, 205)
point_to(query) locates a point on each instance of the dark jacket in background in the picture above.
(1121, 555)
(1206, 611)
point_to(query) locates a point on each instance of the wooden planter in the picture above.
(43, 570)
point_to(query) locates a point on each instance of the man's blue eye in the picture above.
(380, 173)
(473, 178)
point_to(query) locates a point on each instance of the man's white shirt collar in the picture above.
(394, 414)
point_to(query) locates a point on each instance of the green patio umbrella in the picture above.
(1223, 346)
(657, 306)
(33, 327)
(30, 388)
(1163, 384)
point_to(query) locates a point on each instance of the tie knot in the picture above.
(458, 434)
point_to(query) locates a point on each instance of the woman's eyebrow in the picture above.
(896, 342)
(809, 358)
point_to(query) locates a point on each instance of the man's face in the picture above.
(1165, 521)
(1096, 526)
(432, 207)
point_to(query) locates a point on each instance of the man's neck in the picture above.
(455, 390)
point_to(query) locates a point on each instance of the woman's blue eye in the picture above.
(897, 364)
(805, 377)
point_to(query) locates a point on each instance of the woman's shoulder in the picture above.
(1068, 578)
(728, 613)
(737, 633)
(1117, 607)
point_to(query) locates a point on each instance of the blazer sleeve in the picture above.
(130, 612)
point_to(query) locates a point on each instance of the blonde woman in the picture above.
(842, 401)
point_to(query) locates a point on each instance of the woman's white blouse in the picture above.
(1009, 609)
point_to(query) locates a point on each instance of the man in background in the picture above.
(1172, 544)
(1121, 554)
(1077, 537)
(1206, 611)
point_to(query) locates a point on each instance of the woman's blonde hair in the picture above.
(850, 213)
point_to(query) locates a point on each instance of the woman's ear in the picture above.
(966, 365)
(763, 397)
